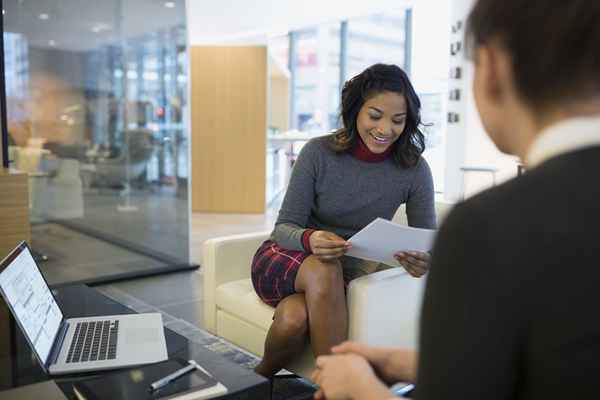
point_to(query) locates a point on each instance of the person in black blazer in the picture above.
(511, 303)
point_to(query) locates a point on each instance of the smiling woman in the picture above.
(381, 120)
(340, 183)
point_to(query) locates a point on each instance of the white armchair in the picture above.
(383, 307)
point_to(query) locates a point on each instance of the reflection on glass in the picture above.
(96, 98)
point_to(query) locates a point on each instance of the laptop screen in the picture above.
(33, 305)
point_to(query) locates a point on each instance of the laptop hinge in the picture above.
(58, 342)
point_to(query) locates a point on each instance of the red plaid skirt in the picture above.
(274, 271)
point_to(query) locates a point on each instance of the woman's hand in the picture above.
(415, 263)
(347, 377)
(392, 364)
(327, 245)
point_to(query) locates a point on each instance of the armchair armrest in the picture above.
(384, 308)
(226, 259)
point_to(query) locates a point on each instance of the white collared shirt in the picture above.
(566, 136)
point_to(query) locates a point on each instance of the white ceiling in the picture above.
(225, 21)
(71, 23)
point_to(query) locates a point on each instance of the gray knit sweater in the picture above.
(342, 194)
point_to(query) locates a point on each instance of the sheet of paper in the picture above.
(379, 240)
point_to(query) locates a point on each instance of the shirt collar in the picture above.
(564, 137)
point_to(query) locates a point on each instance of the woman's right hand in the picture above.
(392, 364)
(327, 245)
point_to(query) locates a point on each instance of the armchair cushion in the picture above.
(239, 298)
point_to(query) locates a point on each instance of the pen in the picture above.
(78, 394)
(172, 376)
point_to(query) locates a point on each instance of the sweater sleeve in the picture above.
(299, 200)
(420, 210)
(470, 329)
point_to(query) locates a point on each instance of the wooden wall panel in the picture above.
(279, 104)
(14, 227)
(5, 350)
(14, 211)
(229, 123)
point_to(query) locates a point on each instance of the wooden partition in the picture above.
(279, 96)
(229, 123)
(14, 210)
(14, 227)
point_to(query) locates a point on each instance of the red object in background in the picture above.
(160, 112)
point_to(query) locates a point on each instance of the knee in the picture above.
(326, 278)
(293, 323)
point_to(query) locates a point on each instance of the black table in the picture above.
(83, 301)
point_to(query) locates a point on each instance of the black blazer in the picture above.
(512, 303)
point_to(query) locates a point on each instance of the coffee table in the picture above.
(80, 301)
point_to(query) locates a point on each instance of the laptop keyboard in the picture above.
(94, 341)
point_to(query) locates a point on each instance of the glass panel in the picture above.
(432, 113)
(317, 79)
(377, 38)
(96, 102)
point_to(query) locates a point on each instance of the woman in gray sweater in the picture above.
(339, 184)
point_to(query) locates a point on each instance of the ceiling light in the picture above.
(170, 4)
(52, 43)
(100, 27)
(3, 11)
(43, 16)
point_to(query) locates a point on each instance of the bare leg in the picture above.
(286, 336)
(323, 286)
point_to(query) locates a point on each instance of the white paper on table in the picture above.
(381, 239)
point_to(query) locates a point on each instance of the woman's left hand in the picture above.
(347, 377)
(415, 263)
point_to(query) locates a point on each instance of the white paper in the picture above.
(381, 239)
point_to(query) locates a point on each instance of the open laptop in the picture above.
(76, 344)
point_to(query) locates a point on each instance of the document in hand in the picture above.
(381, 239)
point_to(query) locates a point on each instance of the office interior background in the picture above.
(101, 118)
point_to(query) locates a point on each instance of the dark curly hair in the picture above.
(373, 80)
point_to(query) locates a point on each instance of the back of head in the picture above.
(554, 46)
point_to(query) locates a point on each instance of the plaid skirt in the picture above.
(274, 271)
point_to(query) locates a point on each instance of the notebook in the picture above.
(135, 384)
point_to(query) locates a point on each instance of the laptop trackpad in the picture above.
(141, 335)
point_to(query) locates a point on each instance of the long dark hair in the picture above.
(373, 80)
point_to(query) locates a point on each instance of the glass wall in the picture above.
(378, 38)
(316, 77)
(96, 101)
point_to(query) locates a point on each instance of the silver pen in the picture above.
(172, 376)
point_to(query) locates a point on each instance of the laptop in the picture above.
(65, 346)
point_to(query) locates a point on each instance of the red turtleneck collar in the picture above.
(362, 152)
